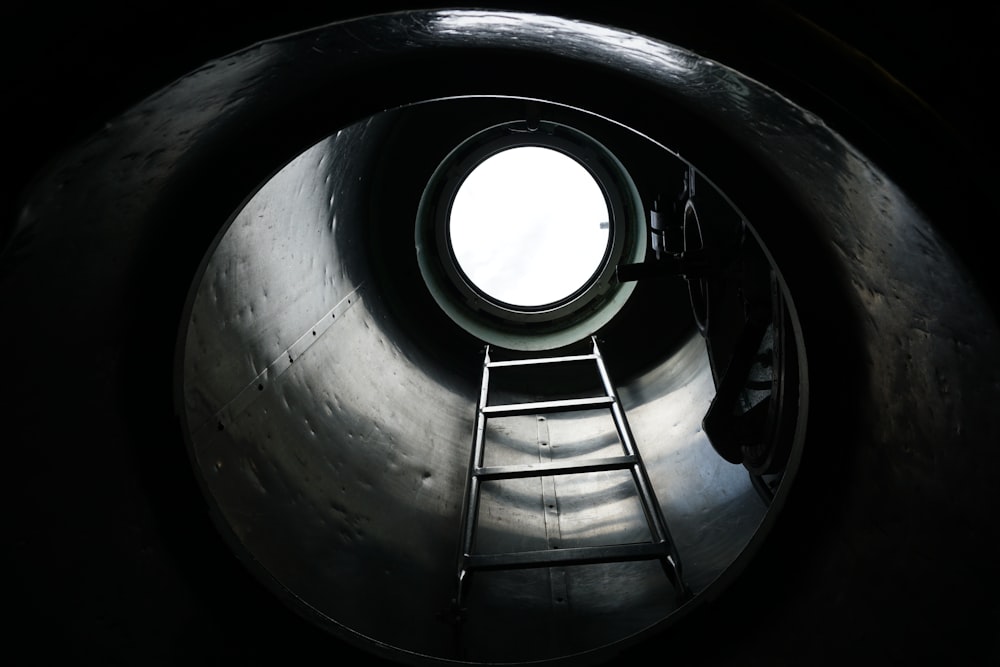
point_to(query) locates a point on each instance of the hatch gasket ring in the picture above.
(552, 325)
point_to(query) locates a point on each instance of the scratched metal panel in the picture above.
(273, 278)
(341, 483)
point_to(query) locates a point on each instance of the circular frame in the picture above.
(523, 327)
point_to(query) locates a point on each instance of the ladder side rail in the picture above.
(651, 506)
(471, 509)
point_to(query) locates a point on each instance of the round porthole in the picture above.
(520, 230)
(529, 228)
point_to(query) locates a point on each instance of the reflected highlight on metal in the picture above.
(269, 206)
(328, 392)
(336, 445)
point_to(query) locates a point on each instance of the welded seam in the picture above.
(550, 512)
(225, 416)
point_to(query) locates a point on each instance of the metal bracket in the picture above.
(677, 242)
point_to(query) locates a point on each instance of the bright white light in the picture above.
(529, 226)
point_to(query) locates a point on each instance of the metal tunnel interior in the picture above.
(266, 453)
(313, 456)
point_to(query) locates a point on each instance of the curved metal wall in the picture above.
(897, 331)
(336, 449)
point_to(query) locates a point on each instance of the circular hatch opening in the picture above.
(529, 227)
(520, 230)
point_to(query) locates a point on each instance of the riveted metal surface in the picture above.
(267, 305)
(105, 538)
(336, 452)
(370, 411)
(338, 459)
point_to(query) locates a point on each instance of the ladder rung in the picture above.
(546, 469)
(564, 405)
(615, 553)
(538, 362)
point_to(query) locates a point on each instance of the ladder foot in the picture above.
(673, 573)
(455, 615)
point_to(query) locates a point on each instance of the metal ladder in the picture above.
(660, 547)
